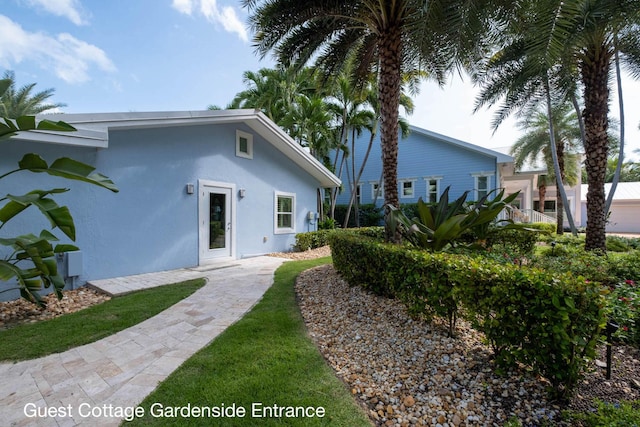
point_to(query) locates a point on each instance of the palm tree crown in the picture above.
(21, 102)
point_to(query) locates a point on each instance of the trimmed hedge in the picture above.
(550, 322)
(320, 238)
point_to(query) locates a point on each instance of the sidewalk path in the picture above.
(91, 385)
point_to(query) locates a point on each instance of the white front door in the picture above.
(215, 220)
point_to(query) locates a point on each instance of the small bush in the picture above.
(311, 240)
(624, 303)
(609, 415)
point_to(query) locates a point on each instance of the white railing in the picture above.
(526, 216)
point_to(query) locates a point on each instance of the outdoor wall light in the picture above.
(241, 192)
(189, 188)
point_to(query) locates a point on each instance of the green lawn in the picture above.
(267, 359)
(32, 340)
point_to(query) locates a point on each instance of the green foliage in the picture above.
(623, 414)
(328, 224)
(547, 227)
(575, 260)
(370, 215)
(312, 240)
(9, 127)
(32, 260)
(622, 244)
(549, 322)
(517, 240)
(439, 226)
(624, 303)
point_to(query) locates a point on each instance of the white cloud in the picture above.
(70, 9)
(219, 15)
(183, 6)
(69, 57)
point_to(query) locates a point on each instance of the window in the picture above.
(407, 188)
(433, 189)
(359, 194)
(285, 208)
(374, 189)
(482, 184)
(549, 205)
(244, 144)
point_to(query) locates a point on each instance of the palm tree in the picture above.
(21, 102)
(274, 91)
(567, 38)
(391, 37)
(536, 142)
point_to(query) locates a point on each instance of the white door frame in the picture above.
(206, 255)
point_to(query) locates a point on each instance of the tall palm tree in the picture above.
(567, 38)
(21, 102)
(389, 36)
(535, 142)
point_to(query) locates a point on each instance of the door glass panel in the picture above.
(217, 220)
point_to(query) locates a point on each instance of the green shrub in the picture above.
(575, 260)
(327, 224)
(519, 241)
(625, 266)
(312, 240)
(624, 303)
(609, 415)
(550, 322)
(547, 227)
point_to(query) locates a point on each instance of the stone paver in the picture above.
(87, 385)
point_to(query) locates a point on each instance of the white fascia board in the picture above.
(78, 138)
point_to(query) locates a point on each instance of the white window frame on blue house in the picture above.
(374, 185)
(479, 192)
(359, 194)
(278, 228)
(428, 180)
(407, 192)
(244, 144)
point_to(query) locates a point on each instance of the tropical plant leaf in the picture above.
(68, 168)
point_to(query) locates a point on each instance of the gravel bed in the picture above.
(13, 313)
(409, 372)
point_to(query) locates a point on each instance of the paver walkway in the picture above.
(87, 385)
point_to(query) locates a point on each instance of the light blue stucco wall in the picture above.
(152, 223)
(421, 156)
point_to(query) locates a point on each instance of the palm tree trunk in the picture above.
(390, 47)
(595, 78)
(559, 202)
(616, 175)
(542, 194)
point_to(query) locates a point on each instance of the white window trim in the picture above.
(413, 188)
(281, 230)
(359, 193)
(477, 175)
(249, 138)
(373, 190)
(437, 178)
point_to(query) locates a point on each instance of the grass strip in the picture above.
(265, 358)
(32, 340)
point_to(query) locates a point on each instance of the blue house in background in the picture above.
(195, 187)
(428, 163)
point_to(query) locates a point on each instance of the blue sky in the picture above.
(165, 55)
